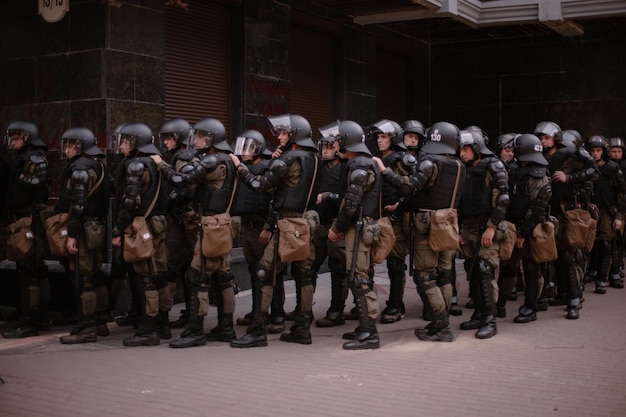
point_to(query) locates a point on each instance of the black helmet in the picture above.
(505, 140)
(251, 141)
(572, 136)
(350, 135)
(139, 136)
(298, 128)
(414, 126)
(389, 128)
(83, 139)
(178, 129)
(550, 129)
(27, 131)
(213, 132)
(597, 141)
(617, 142)
(442, 138)
(353, 137)
(477, 139)
(528, 148)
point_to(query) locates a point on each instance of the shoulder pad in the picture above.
(409, 160)
(392, 158)
(278, 166)
(358, 177)
(36, 158)
(611, 166)
(187, 155)
(427, 167)
(135, 167)
(209, 162)
(584, 154)
(496, 165)
(288, 157)
(538, 172)
(80, 176)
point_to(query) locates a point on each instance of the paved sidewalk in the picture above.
(552, 367)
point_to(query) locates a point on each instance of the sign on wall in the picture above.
(53, 10)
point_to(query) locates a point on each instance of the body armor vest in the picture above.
(604, 192)
(213, 198)
(331, 182)
(248, 201)
(391, 195)
(561, 192)
(96, 204)
(295, 198)
(371, 199)
(476, 199)
(20, 196)
(520, 204)
(440, 194)
(150, 187)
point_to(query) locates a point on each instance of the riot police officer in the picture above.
(181, 218)
(360, 205)
(213, 179)
(83, 194)
(530, 190)
(28, 185)
(292, 177)
(608, 195)
(144, 194)
(617, 148)
(569, 169)
(253, 208)
(483, 206)
(332, 186)
(392, 151)
(436, 183)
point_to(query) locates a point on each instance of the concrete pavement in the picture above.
(551, 367)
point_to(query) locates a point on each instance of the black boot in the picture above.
(473, 323)
(255, 336)
(332, 319)
(365, 335)
(163, 325)
(300, 331)
(488, 327)
(193, 335)
(397, 280)
(526, 315)
(146, 334)
(224, 331)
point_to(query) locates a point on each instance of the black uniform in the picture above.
(28, 186)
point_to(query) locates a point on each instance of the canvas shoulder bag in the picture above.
(444, 225)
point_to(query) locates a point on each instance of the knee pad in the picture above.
(484, 268)
(425, 282)
(443, 278)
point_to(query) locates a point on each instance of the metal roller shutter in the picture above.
(391, 86)
(198, 62)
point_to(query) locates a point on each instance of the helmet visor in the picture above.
(125, 143)
(466, 139)
(202, 139)
(385, 127)
(168, 140)
(245, 146)
(15, 139)
(70, 147)
(280, 124)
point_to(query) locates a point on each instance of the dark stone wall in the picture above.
(511, 85)
(266, 85)
(97, 67)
